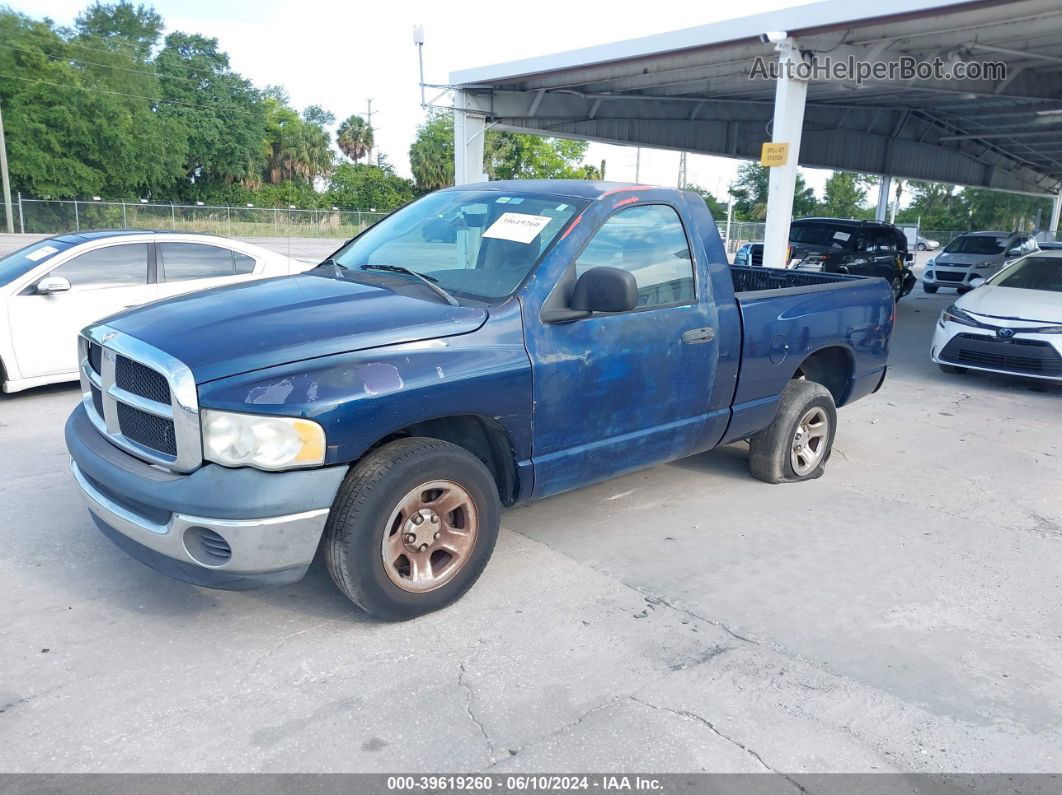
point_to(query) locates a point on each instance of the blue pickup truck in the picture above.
(385, 405)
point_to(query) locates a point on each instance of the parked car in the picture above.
(925, 244)
(53, 288)
(863, 248)
(387, 404)
(1050, 245)
(975, 255)
(749, 255)
(1011, 323)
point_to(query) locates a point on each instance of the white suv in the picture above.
(973, 255)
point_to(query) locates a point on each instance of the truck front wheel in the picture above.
(412, 528)
(798, 443)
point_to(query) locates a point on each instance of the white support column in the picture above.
(1056, 211)
(789, 98)
(469, 129)
(884, 190)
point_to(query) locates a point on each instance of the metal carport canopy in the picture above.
(690, 90)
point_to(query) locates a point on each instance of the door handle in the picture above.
(695, 335)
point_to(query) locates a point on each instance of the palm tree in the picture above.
(354, 137)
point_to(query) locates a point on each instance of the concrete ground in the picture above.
(904, 612)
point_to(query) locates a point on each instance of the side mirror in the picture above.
(1013, 252)
(52, 284)
(605, 289)
(909, 257)
(977, 281)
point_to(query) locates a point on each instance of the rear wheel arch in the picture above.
(832, 367)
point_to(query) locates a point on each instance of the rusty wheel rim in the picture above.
(429, 536)
(810, 441)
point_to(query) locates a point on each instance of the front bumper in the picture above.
(216, 527)
(1022, 354)
(944, 276)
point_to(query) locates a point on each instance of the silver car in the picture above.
(975, 254)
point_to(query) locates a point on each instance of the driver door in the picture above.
(615, 392)
(103, 281)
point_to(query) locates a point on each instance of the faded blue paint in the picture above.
(578, 401)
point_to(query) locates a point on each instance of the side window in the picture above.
(244, 264)
(183, 261)
(648, 241)
(880, 240)
(114, 266)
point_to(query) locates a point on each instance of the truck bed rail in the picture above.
(749, 279)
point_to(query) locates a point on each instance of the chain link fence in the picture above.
(55, 216)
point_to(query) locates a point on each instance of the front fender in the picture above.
(364, 396)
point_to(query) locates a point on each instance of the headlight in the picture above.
(955, 315)
(984, 265)
(931, 262)
(263, 442)
(1043, 330)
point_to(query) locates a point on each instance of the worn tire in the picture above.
(371, 491)
(951, 369)
(930, 288)
(769, 450)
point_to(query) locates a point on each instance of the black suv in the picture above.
(862, 248)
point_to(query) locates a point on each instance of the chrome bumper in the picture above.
(256, 546)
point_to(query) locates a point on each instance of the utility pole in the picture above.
(368, 119)
(418, 39)
(682, 171)
(637, 164)
(6, 179)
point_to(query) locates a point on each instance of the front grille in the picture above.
(95, 357)
(949, 276)
(146, 429)
(140, 398)
(140, 380)
(1014, 355)
(97, 400)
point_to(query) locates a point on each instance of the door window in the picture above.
(880, 241)
(113, 266)
(244, 264)
(184, 261)
(649, 241)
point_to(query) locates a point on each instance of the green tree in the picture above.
(506, 155)
(354, 137)
(221, 113)
(715, 207)
(359, 186)
(845, 196)
(750, 194)
(431, 155)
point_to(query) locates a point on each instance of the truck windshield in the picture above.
(25, 259)
(478, 244)
(976, 244)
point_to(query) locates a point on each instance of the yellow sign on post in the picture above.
(774, 154)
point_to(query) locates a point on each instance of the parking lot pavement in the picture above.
(901, 613)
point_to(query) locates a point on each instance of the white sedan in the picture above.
(53, 288)
(1010, 324)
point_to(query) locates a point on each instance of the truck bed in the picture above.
(752, 279)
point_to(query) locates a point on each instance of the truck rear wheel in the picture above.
(412, 528)
(798, 443)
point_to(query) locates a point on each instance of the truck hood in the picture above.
(1013, 302)
(961, 260)
(245, 327)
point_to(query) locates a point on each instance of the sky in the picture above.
(339, 54)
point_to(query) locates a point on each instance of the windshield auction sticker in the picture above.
(518, 227)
